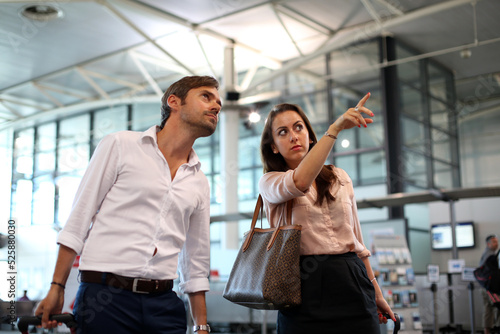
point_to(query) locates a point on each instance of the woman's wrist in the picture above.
(332, 131)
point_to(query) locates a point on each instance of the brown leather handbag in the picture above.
(266, 272)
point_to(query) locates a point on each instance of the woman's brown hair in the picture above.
(276, 163)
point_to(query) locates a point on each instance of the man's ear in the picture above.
(173, 102)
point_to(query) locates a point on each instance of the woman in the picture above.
(339, 290)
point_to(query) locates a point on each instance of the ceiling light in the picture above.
(254, 117)
(41, 12)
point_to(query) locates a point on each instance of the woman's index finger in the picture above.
(362, 102)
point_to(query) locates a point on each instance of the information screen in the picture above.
(441, 235)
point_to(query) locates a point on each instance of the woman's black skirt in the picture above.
(337, 297)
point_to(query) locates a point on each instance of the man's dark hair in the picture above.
(491, 236)
(181, 88)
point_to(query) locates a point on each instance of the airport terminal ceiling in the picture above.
(57, 56)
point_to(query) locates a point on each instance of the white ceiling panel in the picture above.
(100, 50)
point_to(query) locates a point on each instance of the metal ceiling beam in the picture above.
(196, 27)
(202, 48)
(373, 13)
(352, 35)
(283, 25)
(393, 9)
(10, 109)
(305, 20)
(63, 91)
(111, 79)
(146, 74)
(143, 34)
(92, 83)
(25, 102)
(47, 95)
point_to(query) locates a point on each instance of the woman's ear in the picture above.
(275, 150)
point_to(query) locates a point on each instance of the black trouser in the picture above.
(337, 297)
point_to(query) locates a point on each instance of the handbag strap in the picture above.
(258, 207)
(288, 219)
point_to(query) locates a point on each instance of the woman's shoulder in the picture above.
(341, 174)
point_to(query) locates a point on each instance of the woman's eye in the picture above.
(282, 133)
(299, 127)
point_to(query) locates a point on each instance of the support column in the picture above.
(392, 124)
(229, 134)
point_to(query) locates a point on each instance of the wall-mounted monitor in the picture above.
(441, 235)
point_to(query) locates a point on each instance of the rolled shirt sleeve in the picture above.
(194, 260)
(99, 177)
(279, 187)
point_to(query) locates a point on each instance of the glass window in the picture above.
(145, 115)
(348, 163)
(217, 187)
(411, 102)
(414, 167)
(346, 141)
(6, 152)
(355, 64)
(21, 202)
(216, 234)
(74, 151)
(248, 152)
(300, 82)
(372, 167)
(441, 147)
(204, 154)
(413, 134)
(45, 156)
(440, 114)
(314, 106)
(109, 121)
(74, 157)
(246, 184)
(408, 72)
(23, 153)
(372, 136)
(43, 200)
(67, 186)
(437, 82)
(443, 176)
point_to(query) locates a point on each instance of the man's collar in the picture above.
(193, 160)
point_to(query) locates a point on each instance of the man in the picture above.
(490, 315)
(25, 297)
(141, 210)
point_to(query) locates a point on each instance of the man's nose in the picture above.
(216, 107)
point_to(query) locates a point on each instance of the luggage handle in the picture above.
(397, 323)
(24, 322)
